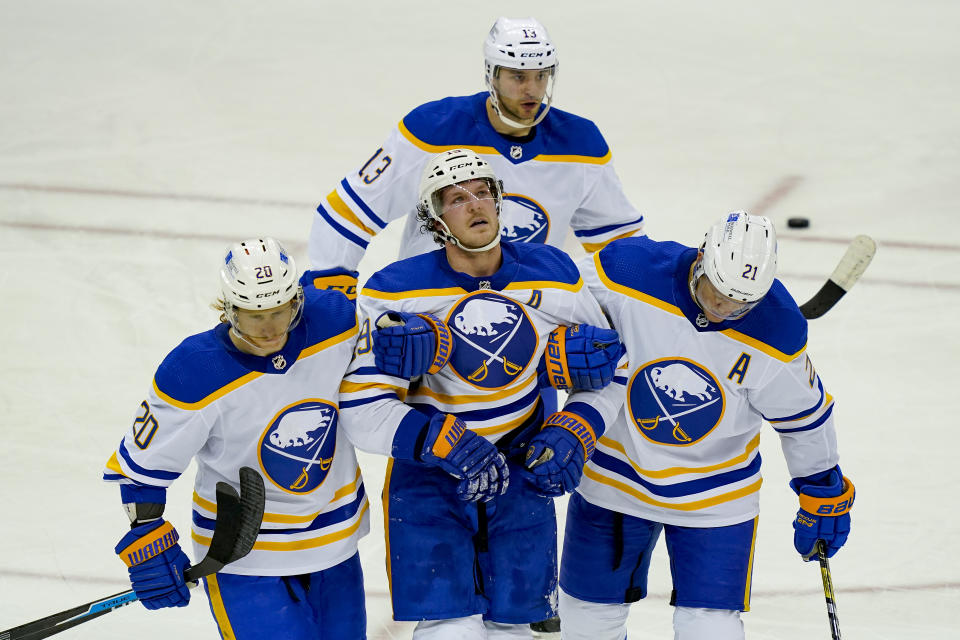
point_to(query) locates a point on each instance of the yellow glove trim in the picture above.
(837, 506)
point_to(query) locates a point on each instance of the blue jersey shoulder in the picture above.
(776, 321)
(645, 265)
(565, 133)
(539, 262)
(424, 271)
(197, 367)
(463, 121)
(452, 120)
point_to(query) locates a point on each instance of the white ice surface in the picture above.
(137, 138)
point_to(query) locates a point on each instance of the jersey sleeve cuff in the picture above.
(136, 493)
(589, 414)
(408, 439)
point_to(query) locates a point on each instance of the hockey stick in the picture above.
(852, 265)
(828, 589)
(238, 523)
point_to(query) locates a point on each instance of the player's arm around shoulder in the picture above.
(372, 401)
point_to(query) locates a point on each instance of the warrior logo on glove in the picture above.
(675, 401)
(495, 339)
(296, 449)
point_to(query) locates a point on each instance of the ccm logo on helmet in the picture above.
(532, 55)
(268, 294)
(460, 166)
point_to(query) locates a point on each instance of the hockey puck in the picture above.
(798, 223)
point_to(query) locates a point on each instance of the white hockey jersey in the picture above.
(499, 327)
(278, 414)
(561, 176)
(685, 448)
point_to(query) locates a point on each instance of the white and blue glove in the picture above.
(408, 345)
(556, 455)
(582, 357)
(824, 514)
(156, 564)
(481, 468)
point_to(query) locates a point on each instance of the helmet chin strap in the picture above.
(456, 241)
(239, 336)
(495, 103)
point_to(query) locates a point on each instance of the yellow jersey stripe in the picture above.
(461, 398)
(434, 148)
(329, 342)
(504, 428)
(633, 293)
(385, 499)
(216, 395)
(679, 471)
(753, 548)
(604, 159)
(345, 490)
(219, 610)
(593, 247)
(545, 284)
(338, 205)
(762, 346)
(253, 375)
(114, 465)
(298, 545)
(356, 387)
(695, 505)
(416, 293)
(819, 410)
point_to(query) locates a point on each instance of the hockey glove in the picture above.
(825, 501)
(156, 564)
(464, 455)
(408, 345)
(557, 454)
(488, 484)
(582, 357)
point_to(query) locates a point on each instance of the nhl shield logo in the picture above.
(516, 152)
(523, 219)
(495, 339)
(296, 449)
(675, 401)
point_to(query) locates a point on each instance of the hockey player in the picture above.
(716, 347)
(260, 390)
(477, 323)
(556, 166)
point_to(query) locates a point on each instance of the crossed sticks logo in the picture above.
(675, 401)
(296, 449)
(495, 339)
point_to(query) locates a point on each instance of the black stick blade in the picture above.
(854, 262)
(252, 501)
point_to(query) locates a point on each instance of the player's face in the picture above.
(265, 330)
(716, 306)
(469, 210)
(520, 91)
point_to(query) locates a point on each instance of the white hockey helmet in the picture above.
(519, 43)
(739, 259)
(259, 274)
(447, 169)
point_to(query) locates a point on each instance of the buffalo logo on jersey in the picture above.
(675, 401)
(296, 449)
(523, 219)
(495, 340)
